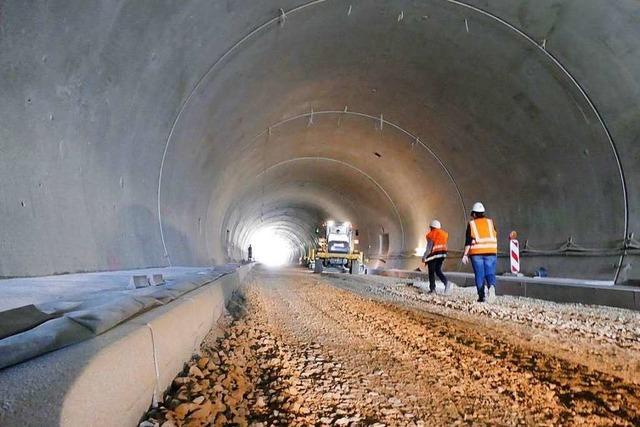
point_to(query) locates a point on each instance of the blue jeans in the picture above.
(484, 268)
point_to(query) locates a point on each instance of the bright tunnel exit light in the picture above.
(271, 248)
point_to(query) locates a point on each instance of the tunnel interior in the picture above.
(179, 134)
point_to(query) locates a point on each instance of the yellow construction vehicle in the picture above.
(337, 247)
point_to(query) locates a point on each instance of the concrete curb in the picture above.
(549, 289)
(110, 380)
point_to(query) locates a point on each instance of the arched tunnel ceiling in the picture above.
(163, 127)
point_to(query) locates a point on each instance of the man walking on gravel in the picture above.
(435, 255)
(481, 245)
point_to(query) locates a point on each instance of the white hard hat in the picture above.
(477, 207)
(436, 224)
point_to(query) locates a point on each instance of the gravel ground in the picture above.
(603, 338)
(300, 350)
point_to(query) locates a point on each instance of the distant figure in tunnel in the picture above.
(481, 245)
(250, 254)
(435, 255)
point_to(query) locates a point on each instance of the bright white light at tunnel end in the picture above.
(271, 248)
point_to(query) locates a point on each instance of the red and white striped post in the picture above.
(514, 253)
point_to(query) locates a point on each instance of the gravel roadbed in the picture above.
(303, 349)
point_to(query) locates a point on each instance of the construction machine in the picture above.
(337, 247)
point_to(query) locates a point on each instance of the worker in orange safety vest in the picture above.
(481, 245)
(435, 255)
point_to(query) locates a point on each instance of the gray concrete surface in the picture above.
(592, 292)
(80, 286)
(110, 380)
(138, 134)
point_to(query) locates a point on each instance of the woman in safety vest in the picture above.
(481, 244)
(435, 254)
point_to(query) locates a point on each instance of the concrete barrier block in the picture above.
(612, 297)
(175, 334)
(217, 310)
(510, 288)
(107, 381)
(156, 279)
(180, 326)
(138, 281)
(128, 361)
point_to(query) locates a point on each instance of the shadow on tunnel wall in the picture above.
(141, 238)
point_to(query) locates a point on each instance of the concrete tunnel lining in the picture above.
(309, 113)
(279, 72)
(287, 193)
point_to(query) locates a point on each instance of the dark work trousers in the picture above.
(435, 267)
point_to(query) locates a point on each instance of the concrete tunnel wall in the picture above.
(136, 133)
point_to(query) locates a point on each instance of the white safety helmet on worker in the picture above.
(477, 207)
(435, 224)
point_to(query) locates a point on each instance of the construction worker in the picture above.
(481, 245)
(435, 255)
(250, 253)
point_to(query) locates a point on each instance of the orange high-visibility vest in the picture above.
(439, 238)
(484, 237)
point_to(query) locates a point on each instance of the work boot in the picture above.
(418, 270)
(432, 291)
(480, 299)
